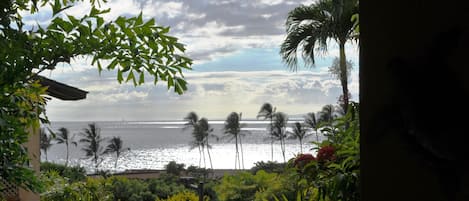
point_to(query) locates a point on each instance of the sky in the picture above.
(237, 66)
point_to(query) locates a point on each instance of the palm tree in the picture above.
(279, 125)
(92, 143)
(201, 133)
(312, 122)
(327, 114)
(115, 146)
(233, 131)
(310, 27)
(267, 111)
(204, 130)
(63, 137)
(299, 132)
(45, 141)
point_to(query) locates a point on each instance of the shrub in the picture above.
(128, 189)
(174, 168)
(184, 196)
(58, 189)
(72, 174)
(165, 186)
(246, 186)
(269, 166)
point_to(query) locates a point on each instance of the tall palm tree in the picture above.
(233, 131)
(310, 27)
(92, 143)
(312, 122)
(279, 124)
(299, 132)
(63, 137)
(115, 146)
(205, 131)
(327, 114)
(201, 133)
(267, 112)
(45, 141)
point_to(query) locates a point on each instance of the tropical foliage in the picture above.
(115, 146)
(91, 139)
(335, 171)
(201, 132)
(45, 141)
(267, 111)
(299, 132)
(130, 45)
(233, 132)
(310, 26)
(71, 174)
(63, 137)
(279, 125)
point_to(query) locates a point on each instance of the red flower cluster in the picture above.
(303, 159)
(326, 153)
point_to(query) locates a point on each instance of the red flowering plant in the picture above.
(326, 154)
(302, 159)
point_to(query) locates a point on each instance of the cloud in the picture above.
(213, 94)
(211, 29)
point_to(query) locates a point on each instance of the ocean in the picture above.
(153, 144)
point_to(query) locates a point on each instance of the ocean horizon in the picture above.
(153, 144)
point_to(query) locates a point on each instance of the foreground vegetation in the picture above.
(330, 174)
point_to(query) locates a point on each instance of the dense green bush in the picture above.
(174, 168)
(165, 186)
(73, 174)
(125, 189)
(335, 171)
(246, 186)
(269, 166)
(58, 189)
(183, 196)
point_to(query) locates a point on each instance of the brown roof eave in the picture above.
(62, 91)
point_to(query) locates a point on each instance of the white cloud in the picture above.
(213, 94)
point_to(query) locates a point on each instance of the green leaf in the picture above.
(119, 76)
(141, 80)
(121, 22)
(130, 76)
(139, 20)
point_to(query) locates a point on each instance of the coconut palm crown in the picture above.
(310, 27)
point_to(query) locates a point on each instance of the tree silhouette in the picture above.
(63, 137)
(115, 146)
(45, 141)
(310, 27)
(92, 144)
(279, 125)
(299, 132)
(267, 112)
(233, 132)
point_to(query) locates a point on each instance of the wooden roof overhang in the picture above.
(61, 90)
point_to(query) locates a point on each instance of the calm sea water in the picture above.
(155, 143)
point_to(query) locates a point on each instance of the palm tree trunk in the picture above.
(242, 155)
(282, 146)
(203, 153)
(301, 145)
(237, 162)
(209, 156)
(317, 136)
(271, 140)
(343, 75)
(66, 162)
(200, 156)
(117, 159)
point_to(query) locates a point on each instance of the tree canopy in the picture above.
(131, 46)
